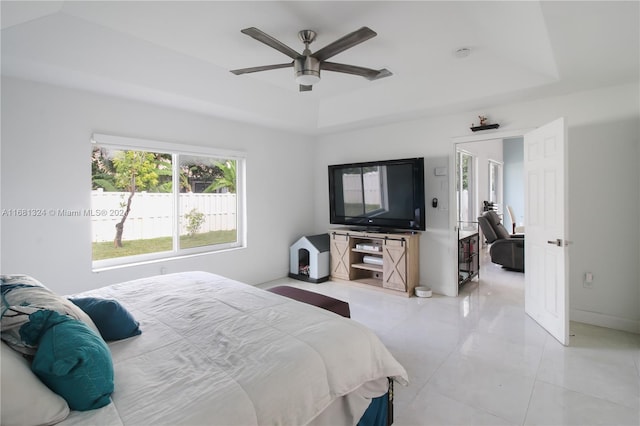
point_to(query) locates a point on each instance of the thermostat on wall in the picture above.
(440, 171)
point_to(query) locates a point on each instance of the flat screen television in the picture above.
(378, 195)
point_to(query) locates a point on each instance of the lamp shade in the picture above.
(308, 78)
(307, 70)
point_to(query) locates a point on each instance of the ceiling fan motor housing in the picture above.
(307, 69)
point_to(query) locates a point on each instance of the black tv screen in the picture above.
(383, 195)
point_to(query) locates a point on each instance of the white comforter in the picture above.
(216, 351)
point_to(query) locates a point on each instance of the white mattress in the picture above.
(217, 351)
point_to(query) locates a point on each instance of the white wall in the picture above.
(513, 156)
(404, 140)
(603, 134)
(45, 164)
(603, 175)
(46, 151)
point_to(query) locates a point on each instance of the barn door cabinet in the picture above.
(388, 261)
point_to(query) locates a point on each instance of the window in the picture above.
(365, 191)
(465, 189)
(495, 182)
(152, 200)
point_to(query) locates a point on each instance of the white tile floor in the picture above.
(478, 359)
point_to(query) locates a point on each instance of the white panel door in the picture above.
(546, 257)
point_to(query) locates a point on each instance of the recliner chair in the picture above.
(506, 250)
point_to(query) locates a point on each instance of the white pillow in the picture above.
(25, 400)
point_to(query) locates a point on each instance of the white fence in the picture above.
(151, 214)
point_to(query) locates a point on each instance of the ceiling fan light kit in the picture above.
(307, 70)
(307, 65)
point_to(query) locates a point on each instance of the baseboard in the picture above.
(308, 279)
(607, 321)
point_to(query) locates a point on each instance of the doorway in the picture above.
(547, 259)
(482, 148)
(484, 168)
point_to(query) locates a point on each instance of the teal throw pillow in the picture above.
(110, 317)
(71, 359)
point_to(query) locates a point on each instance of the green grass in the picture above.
(208, 238)
(106, 250)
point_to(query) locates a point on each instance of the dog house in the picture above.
(309, 258)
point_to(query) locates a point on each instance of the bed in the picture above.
(216, 351)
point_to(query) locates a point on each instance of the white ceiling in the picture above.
(179, 53)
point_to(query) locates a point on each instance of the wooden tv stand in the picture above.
(388, 261)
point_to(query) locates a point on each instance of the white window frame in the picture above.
(175, 149)
(499, 194)
(472, 183)
(383, 189)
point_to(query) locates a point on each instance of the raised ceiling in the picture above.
(179, 53)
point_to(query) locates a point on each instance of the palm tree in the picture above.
(102, 170)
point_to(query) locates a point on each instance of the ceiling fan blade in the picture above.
(270, 41)
(261, 68)
(344, 43)
(304, 88)
(368, 73)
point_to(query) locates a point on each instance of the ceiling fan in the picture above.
(307, 65)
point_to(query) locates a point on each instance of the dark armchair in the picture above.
(506, 250)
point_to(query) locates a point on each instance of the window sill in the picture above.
(169, 258)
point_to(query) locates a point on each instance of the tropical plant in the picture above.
(228, 178)
(102, 170)
(195, 220)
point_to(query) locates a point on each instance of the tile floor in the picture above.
(478, 359)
